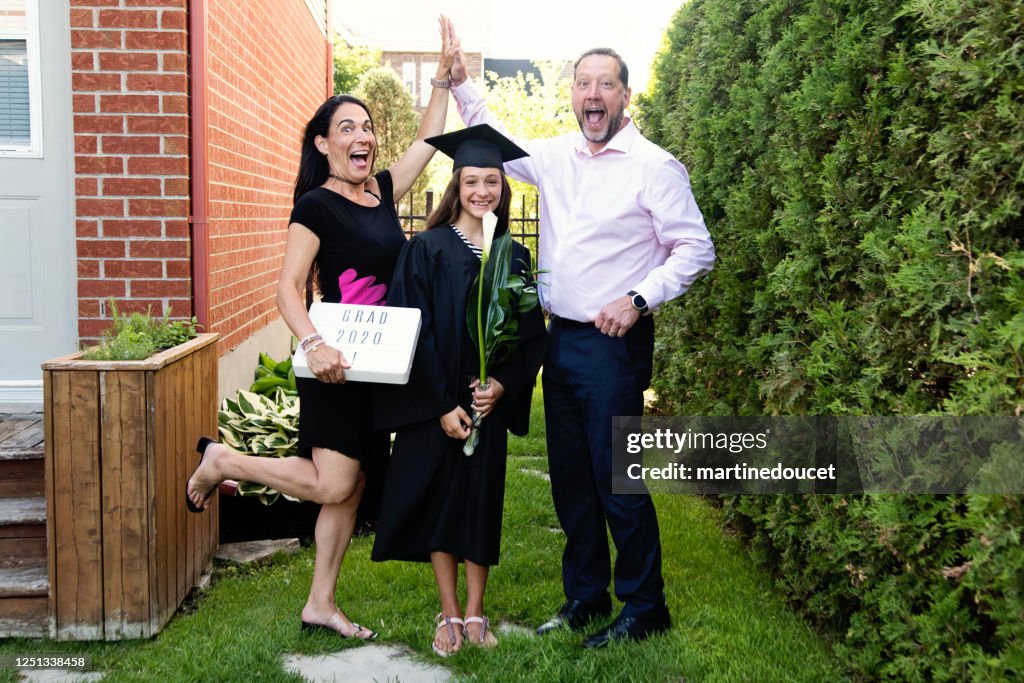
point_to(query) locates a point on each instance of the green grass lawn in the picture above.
(728, 623)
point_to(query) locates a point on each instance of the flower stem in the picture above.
(480, 320)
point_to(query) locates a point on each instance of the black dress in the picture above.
(435, 497)
(359, 246)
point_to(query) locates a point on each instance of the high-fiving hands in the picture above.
(450, 46)
(458, 67)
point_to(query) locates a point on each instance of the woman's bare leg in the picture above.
(321, 481)
(333, 532)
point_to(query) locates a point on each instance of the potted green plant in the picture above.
(121, 421)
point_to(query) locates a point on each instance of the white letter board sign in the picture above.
(378, 341)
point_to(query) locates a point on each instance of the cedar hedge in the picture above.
(861, 168)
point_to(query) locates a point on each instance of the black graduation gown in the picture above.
(435, 497)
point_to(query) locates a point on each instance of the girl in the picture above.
(439, 504)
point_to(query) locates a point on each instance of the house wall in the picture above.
(396, 60)
(267, 74)
(130, 102)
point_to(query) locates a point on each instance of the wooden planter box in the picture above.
(120, 445)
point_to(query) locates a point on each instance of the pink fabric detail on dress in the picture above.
(361, 290)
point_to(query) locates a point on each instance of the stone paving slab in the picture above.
(249, 552)
(366, 664)
(58, 676)
(536, 473)
(508, 628)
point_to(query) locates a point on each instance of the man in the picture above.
(620, 234)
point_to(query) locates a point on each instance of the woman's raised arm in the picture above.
(408, 168)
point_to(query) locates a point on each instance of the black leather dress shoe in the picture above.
(576, 614)
(636, 627)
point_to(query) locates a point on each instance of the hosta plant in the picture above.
(263, 426)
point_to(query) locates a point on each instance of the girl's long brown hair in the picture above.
(449, 208)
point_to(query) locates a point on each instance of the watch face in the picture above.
(639, 302)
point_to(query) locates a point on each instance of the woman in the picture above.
(439, 504)
(343, 225)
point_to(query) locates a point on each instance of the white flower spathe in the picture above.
(490, 223)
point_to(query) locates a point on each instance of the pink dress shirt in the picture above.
(622, 219)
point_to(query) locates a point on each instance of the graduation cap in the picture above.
(479, 146)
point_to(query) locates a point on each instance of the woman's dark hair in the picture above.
(449, 208)
(313, 166)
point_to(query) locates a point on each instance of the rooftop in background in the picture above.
(508, 68)
(517, 29)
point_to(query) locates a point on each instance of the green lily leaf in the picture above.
(495, 298)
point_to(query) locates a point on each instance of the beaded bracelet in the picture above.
(306, 340)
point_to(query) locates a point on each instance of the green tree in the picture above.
(858, 164)
(531, 108)
(350, 63)
(394, 119)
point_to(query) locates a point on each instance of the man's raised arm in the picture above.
(473, 110)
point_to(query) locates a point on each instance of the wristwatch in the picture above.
(638, 301)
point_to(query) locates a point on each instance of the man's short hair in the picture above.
(606, 52)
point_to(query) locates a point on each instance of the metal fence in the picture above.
(523, 221)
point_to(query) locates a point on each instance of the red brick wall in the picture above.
(130, 103)
(267, 75)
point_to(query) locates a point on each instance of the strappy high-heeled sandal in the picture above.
(485, 628)
(450, 623)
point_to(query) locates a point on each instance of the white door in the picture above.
(38, 272)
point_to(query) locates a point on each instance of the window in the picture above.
(20, 110)
(427, 71)
(409, 78)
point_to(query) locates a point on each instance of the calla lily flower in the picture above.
(490, 223)
(497, 295)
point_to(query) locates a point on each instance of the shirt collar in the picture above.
(620, 142)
